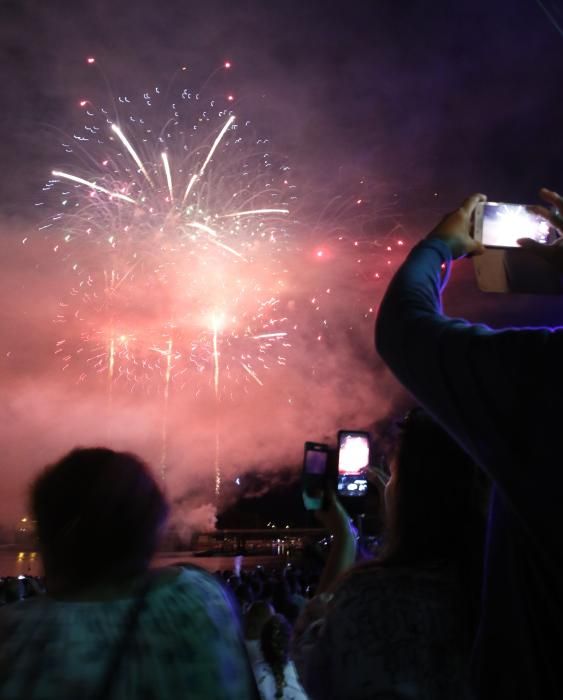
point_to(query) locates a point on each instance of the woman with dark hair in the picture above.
(275, 674)
(402, 625)
(110, 627)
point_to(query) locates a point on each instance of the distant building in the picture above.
(25, 534)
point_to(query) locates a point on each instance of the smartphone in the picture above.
(500, 225)
(314, 474)
(505, 267)
(353, 460)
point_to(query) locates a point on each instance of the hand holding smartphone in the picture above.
(500, 225)
(314, 475)
(505, 266)
(353, 458)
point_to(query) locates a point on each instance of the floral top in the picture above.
(385, 634)
(186, 644)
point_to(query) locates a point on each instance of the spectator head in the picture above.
(99, 514)
(274, 641)
(267, 590)
(435, 500)
(292, 583)
(280, 595)
(257, 586)
(291, 612)
(258, 614)
(13, 589)
(244, 595)
(233, 581)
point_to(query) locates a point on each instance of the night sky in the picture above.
(430, 101)
(441, 96)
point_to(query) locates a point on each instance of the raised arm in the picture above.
(481, 385)
(342, 553)
(418, 343)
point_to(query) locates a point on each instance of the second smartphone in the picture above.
(314, 477)
(354, 448)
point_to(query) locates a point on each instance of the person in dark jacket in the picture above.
(499, 394)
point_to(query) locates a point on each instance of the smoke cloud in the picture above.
(382, 104)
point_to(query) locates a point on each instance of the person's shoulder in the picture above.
(23, 615)
(30, 606)
(196, 607)
(379, 583)
(192, 591)
(374, 575)
(187, 578)
(38, 600)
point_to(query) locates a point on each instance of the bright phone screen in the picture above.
(504, 224)
(353, 458)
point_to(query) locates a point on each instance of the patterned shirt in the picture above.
(386, 634)
(186, 644)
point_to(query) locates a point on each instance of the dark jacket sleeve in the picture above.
(487, 388)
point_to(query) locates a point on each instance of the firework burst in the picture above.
(172, 220)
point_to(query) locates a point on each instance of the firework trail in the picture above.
(169, 216)
(164, 425)
(190, 221)
(187, 268)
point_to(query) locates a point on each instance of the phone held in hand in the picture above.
(314, 474)
(505, 266)
(354, 448)
(500, 225)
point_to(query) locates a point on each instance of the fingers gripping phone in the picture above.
(500, 225)
(353, 461)
(314, 475)
(505, 267)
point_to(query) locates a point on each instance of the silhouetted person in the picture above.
(402, 625)
(109, 627)
(498, 393)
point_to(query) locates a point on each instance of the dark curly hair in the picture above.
(98, 514)
(439, 504)
(274, 641)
